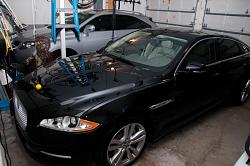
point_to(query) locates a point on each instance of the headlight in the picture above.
(69, 124)
(28, 44)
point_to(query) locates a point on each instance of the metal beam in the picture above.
(199, 15)
(62, 33)
(225, 31)
(180, 25)
(227, 14)
(168, 10)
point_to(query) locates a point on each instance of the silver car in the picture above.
(96, 32)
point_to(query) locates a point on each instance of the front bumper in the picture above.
(79, 147)
(43, 141)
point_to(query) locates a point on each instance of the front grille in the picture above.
(20, 112)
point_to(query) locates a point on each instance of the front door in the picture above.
(198, 78)
(97, 39)
(192, 88)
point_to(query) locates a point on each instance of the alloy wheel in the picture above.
(245, 92)
(126, 145)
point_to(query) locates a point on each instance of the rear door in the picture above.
(233, 63)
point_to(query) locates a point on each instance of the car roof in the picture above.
(184, 33)
(109, 11)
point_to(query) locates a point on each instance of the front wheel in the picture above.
(124, 145)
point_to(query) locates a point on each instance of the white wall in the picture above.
(172, 17)
(219, 22)
(23, 10)
(229, 23)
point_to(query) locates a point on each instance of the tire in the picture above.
(123, 145)
(243, 93)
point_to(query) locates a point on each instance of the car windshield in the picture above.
(82, 17)
(147, 48)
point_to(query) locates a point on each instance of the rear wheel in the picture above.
(124, 145)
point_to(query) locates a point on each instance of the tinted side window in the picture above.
(202, 53)
(102, 23)
(129, 22)
(227, 49)
(243, 48)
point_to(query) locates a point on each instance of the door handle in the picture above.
(161, 104)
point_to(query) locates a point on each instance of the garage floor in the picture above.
(215, 139)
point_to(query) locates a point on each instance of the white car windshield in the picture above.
(147, 48)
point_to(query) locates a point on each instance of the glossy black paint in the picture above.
(128, 92)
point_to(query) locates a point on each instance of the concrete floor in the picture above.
(215, 139)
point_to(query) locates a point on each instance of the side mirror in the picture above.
(195, 67)
(88, 29)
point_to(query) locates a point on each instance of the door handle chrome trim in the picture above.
(161, 104)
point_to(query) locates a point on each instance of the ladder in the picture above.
(62, 26)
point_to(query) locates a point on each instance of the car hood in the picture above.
(41, 30)
(71, 84)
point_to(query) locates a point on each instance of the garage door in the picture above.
(229, 17)
(172, 12)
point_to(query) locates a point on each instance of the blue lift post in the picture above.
(76, 25)
(76, 18)
(4, 105)
(53, 20)
(4, 102)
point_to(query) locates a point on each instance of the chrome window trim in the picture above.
(225, 60)
(214, 63)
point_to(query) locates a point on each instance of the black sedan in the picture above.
(106, 106)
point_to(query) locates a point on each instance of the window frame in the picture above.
(217, 61)
(178, 68)
(185, 57)
(228, 58)
(132, 17)
(98, 16)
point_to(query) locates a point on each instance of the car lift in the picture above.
(62, 26)
(128, 1)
